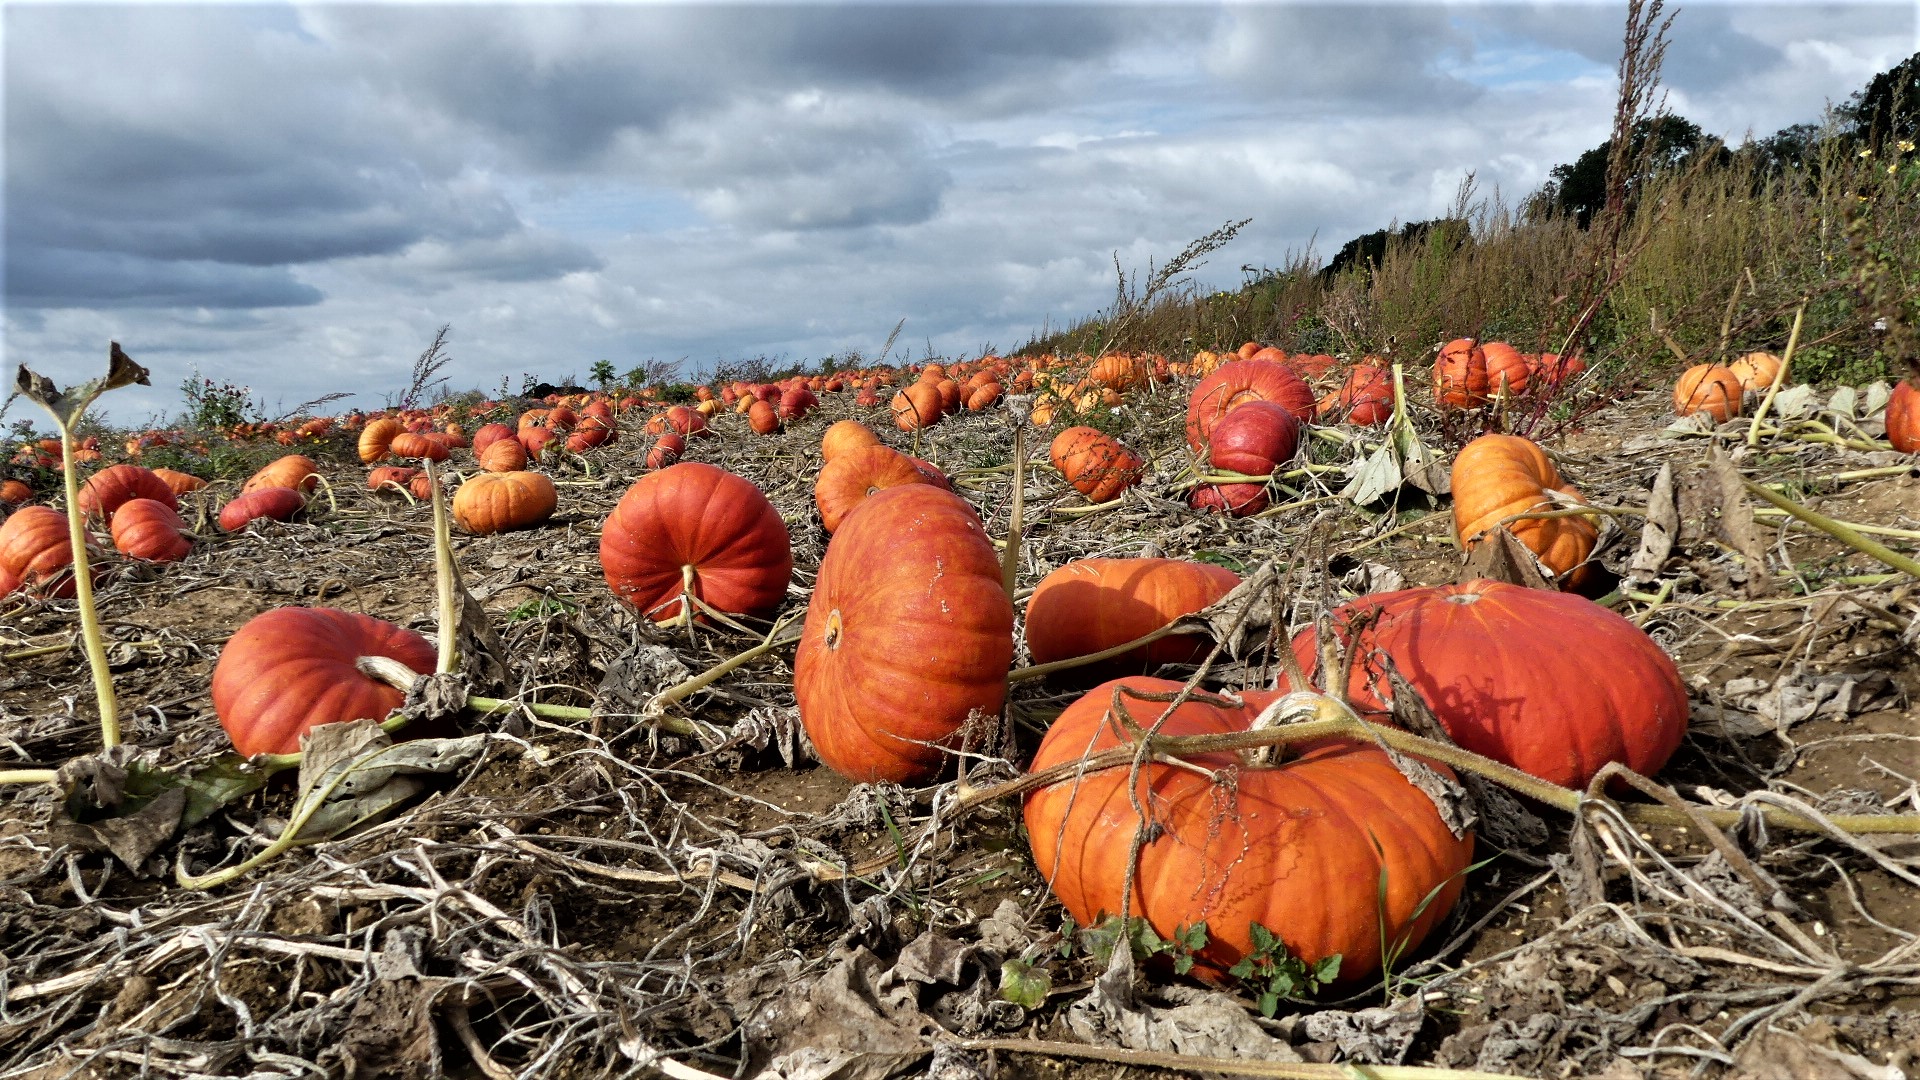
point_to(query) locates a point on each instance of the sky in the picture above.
(295, 198)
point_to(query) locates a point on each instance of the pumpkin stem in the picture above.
(1010, 558)
(449, 658)
(1837, 529)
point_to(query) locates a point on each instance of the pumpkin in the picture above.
(983, 396)
(666, 451)
(1333, 850)
(293, 471)
(1253, 439)
(1498, 476)
(503, 455)
(535, 440)
(916, 406)
(36, 548)
(1756, 371)
(414, 445)
(1707, 388)
(493, 502)
(849, 479)
(700, 526)
(591, 432)
(179, 483)
(150, 529)
(796, 403)
(844, 435)
(488, 435)
(1552, 369)
(376, 439)
(1467, 375)
(1090, 605)
(686, 422)
(763, 418)
(1094, 463)
(1241, 381)
(1366, 398)
(1547, 682)
(390, 477)
(273, 503)
(909, 630)
(105, 491)
(1903, 417)
(16, 492)
(1115, 372)
(289, 670)
(1237, 500)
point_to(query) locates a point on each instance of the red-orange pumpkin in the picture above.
(1305, 848)
(179, 483)
(1366, 398)
(503, 455)
(150, 529)
(1090, 605)
(1253, 439)
(917, 406)
(293, 471)
(274, 503)
(763, 418)
(1240, 381)
(1545, 681)
(844, 435)
(1236, 500)
(390, 478)
(1903, 417)
(106, 490)
(847, 480)
(1707, 388)
(376, 439)
(15, 492)
(488, 435)
(289, 670)
(36, 548)
(1467, 375)
(695, 522)
(909, 630)
(414, 445)
(666, 451)
(1094, 463)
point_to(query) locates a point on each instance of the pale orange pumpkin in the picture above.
(1708, 388)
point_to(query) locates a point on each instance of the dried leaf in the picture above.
(1497, 555)
(1373, 476)
(351, 772)
(67, 405)
(1239, 619)
(1658, 533)
(1736, 522)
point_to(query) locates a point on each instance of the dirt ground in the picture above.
(597, 897)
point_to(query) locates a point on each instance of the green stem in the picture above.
(83, 596)
(29, 776)
(1838, 530)
(1779, 376)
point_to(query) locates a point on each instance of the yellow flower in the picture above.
(1905, 145)
(1891, 169)
(1867, 153)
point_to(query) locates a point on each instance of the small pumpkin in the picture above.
(36, 548)
(844, 435)
(1332, 850)
(1498, 476)
(849, 479)
(289, 670)
(1707, 388)
(1467, 374)
(295, 471)
(1903, 417)
(909, 630)
(390, 477)
(917, 406)
(1756, 371)
(1091, 605)
(376, 439)
(1547, 682)
(179, 483)
(488, 435)
(105, 491)
(150, 529)
(503, 456)
(1094, 463)
(418, 446)
(272, 503)
(15, 492)
(1240, 381)
(1365, 398)
(1253, 439)
(763, 418)
(492, 502)
(698, 528)
(666, 451)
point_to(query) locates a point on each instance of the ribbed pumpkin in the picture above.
(693, 521)
(1467, 375)
(910, 628)
(274, 503)
(179, 483)
(917, 406)
(376, 439)
(1305, 848)
(1094, 463)
(106, 490)
(1903, 417)
(1498, 476)
(289, 670)
(763, 418)
(1707, 388)
(150, 529)
(490, 434)
(503, 456)
(16, 492)
(1756, 371)
(1366, 398)
(1234, 500)
(666, 451)
(1545, 681)
(293, 471)
(390, 478)
(418, 446)
(845, 435)
(847, 480)
(1090, 605)
(1240, 381)
(36, 548)
(491, 502)
(1253, 439)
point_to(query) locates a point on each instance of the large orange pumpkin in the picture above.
(36, 548)
(150, 529)
(1090, 605)
(1547, 682)
(844, 435)
(503, 456)
(291, 669)
(1498, 476)
(1707, 388)
(1334, 851)
(697, 523)
(909, 630)
(376, 439)
(492, 502)
(106, 490)
(1240, 381)
(847, 480)
(917, 406)
(293, 471)
(1094, 463)
(488, 435)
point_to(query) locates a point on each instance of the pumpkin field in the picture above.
(1253, 713)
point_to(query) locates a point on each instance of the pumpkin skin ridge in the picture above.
(647, 540)
(1239, 888)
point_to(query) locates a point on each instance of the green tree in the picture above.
(1888, 107)
(602, 373)
(1580, 189)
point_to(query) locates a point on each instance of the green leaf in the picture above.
(223, 780)
(1269, 1003)
(1194, 938)
(1263, 939)
(1328, 970)
(1182, 964)
(1243, 969)
(1024, 984)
